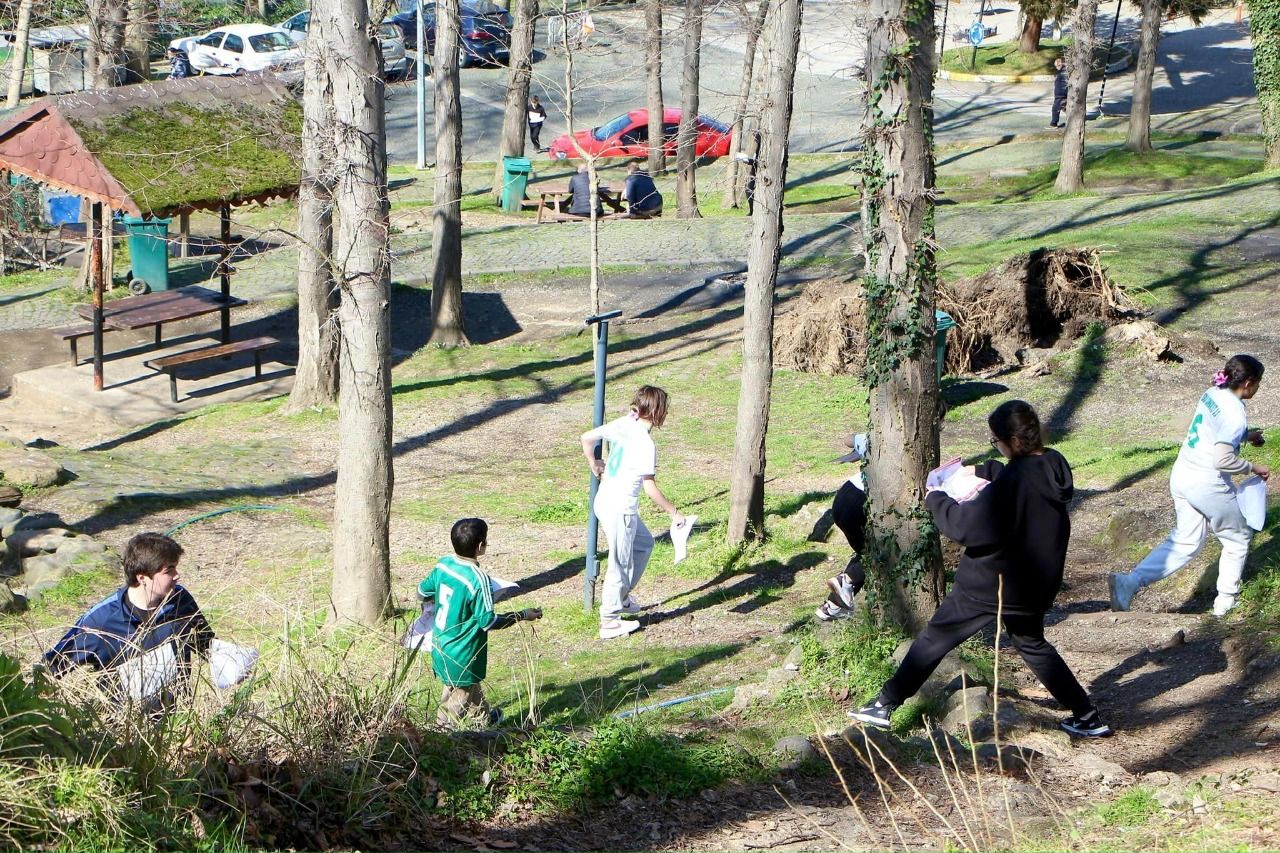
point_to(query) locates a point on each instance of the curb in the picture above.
(967, 77)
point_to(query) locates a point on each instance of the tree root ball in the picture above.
(1042, 299)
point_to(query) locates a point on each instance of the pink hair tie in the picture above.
(1220, 379)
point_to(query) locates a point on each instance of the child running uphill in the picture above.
(464, 616)
(632, 465)
(1204, 498)
(849, 511)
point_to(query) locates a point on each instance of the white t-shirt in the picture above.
(632, 457)
(1219, 419)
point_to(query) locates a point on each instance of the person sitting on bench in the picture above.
(580, 194)
(643, 199)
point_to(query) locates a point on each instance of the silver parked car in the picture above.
(394, 61)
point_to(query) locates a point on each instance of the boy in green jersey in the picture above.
(463, 598)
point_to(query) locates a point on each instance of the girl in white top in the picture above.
(631, 466)
(1204, 497)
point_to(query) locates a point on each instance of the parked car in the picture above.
(628, 136)
(486, 30)
(239, 48)
(394, 61)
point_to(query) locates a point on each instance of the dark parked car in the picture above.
(486, 30)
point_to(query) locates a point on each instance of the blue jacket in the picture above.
(112, 631)
(640, 192)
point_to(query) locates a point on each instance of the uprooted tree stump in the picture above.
(1042, 299)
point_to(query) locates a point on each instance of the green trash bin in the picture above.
(515, 179)
(943, 322)
(148, 253)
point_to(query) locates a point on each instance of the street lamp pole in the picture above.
(1107, 59)
(597, 419)
(422, 90)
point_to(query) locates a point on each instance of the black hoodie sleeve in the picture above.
(970, 523)
(988, 470)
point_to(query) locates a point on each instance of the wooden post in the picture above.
(184, 234)
(95, 280)
(108, 251)
(224, 273)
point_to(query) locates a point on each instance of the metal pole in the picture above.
(597, 418)
(224, 273)
(973, 58)
(1102, 90)
(95, 281)
(946, 8)
(422, 91)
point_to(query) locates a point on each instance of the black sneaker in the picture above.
(1090, 725)
(874, 714)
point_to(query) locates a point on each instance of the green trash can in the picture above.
(515, 179)
(148, 253)
(944, 322)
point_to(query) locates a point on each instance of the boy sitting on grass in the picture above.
(463, 598)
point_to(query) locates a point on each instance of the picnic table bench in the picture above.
(156, 309)
(170, 363)
(553, 204)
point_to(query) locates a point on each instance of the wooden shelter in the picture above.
(157, 149)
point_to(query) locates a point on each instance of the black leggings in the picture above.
(958, 619)
(535, 131)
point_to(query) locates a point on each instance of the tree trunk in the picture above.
(515, 115)
(362, 502)
(1029, 41)
(732, 187)
(653, 69)
(746, 491)
(106, 42)
(137, 37)
(1264, 29)
(446, 217)
(903, 558)
(1139, 138)
(18, 55)
(1079, 59)
(315, 381)
(687, 137)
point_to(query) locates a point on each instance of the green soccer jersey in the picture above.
(464, 611)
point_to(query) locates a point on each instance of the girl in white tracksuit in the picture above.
(1204, 498)
(631, 466)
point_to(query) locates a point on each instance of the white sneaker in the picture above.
(842, 589)
(1122, 588)
(612, 628)
(828, 611)
(1223, 603)
(632, 606)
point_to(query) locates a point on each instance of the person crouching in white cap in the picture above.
(849, 511)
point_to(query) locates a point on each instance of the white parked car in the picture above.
(394, 61)
(239, 48)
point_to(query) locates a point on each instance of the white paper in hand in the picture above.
(146, 675)
(680, 537)
(958, 481)
(230, 664)
(1251, 495)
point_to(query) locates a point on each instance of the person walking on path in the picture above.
(1204, 497)
(631, 466)
(1059, 91)
(1015, 534)
(537, 115)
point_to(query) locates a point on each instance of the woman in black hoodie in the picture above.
(1014, 534)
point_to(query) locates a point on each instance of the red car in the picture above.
(628, 136)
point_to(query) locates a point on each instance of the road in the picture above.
(1198, 67)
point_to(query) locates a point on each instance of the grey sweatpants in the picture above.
(630, 544)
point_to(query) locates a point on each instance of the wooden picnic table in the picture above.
(556, 202)
(164, 306)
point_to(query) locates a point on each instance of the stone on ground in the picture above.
(794, 751)
(24, 467)
(10, 601)
(29, 543)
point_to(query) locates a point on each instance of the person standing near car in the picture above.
(537, 115)
(179, 64)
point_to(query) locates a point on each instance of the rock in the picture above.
(1097, 769)
(779, 676)
(1146, 336)
(31, 521)
(29, 543)
(976, 699)
(794, 751)
(794, 658)
(804, 523)
(73, 547)
(1170, 798)
(32, 468)
(747, 694)
(1008, 756)
(9, 561)
(948, 746)
(1134, 528)
(1266, 782)
(946, 677)
(1162, 779)
(44, 572)
(900, 652)
(1054, 743)
(8, 516)
(822, 528)
(982, 726)
(9, 497)
(883, 744)
(11, 602)
(1179, 638)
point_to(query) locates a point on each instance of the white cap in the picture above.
(860, 447)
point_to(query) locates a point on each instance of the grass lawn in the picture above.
(1006, 58)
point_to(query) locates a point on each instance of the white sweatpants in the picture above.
(1200, 504)
(630, 544)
